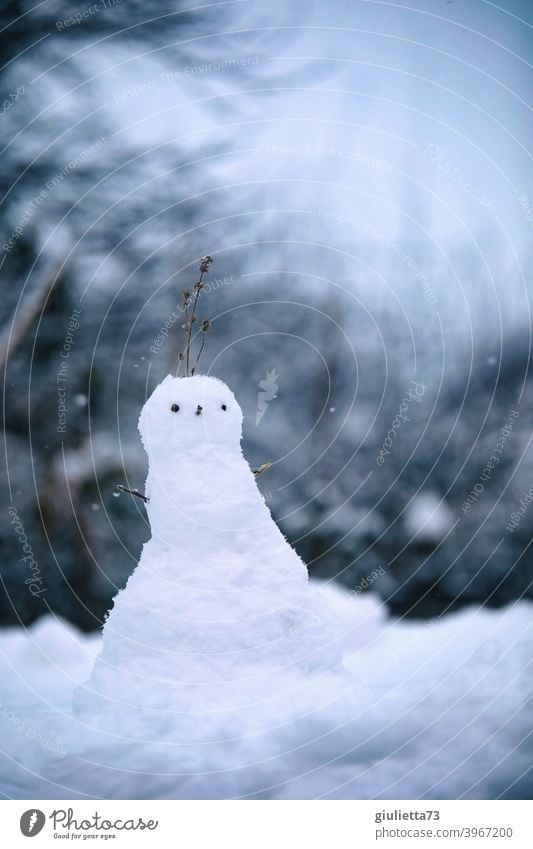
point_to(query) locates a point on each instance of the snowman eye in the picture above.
(175, 408)
(224, 407)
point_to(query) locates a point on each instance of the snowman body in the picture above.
(218, 614)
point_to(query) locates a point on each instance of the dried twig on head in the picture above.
(204, 327)
(190, 306)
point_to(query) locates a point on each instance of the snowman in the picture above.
(218, 616)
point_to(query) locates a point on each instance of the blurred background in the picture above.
(361, 174)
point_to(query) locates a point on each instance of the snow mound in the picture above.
(430, 710)
(360, 616)
(43, 663)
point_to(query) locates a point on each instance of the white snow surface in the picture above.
(433, 711)
(222, 672)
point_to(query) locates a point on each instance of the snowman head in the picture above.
(185, 414)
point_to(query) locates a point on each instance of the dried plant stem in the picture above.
(188, 325)
(197, 290)
(204, 327)
(199, 354)
(205, 262)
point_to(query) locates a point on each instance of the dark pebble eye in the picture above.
(175, 408)
(224, 407)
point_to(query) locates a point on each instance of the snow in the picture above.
(222, 672)
(435, 711)
(360, 623)
(44, 662)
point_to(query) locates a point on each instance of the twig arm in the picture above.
(133, 492)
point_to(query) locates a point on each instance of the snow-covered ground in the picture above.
(432, 710)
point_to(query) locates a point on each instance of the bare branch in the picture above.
(264, 467)
(133, 492)
(203, 267)
(29, 309)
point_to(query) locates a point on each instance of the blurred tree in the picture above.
(79, 208)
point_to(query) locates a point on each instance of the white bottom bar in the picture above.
(269, 824)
